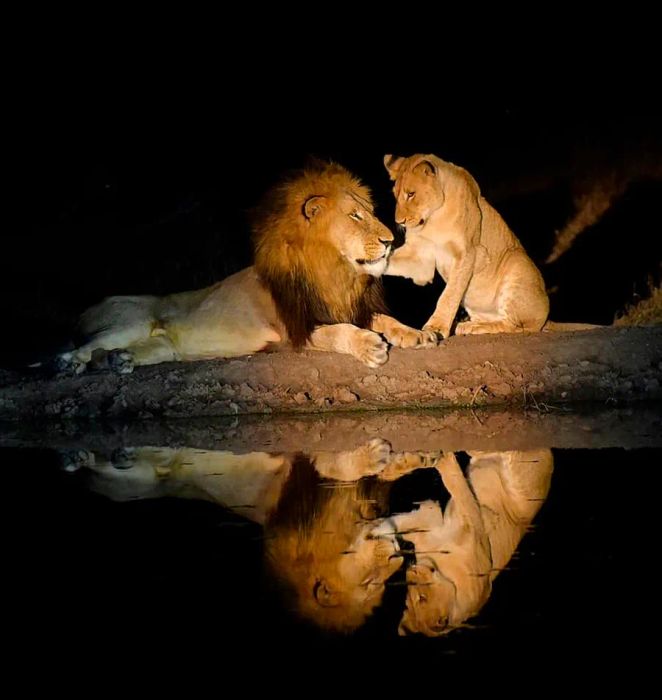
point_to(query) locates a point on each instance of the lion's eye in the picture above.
(410, 195)
(356, 216)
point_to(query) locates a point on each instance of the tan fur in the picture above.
(318, 519)
(461, 550)
(451, 228)
(319, 251)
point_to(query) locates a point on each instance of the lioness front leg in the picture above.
(402, 336)
(449, 302)
(366, 346)
(406, 262)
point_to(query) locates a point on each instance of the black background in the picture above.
(134, 175)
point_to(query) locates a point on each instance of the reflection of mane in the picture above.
(309, 280)
(327, 540)
(313, 528)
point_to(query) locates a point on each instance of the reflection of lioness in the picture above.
(319, 252)
(318, 517)
(452, 229)
(459, 551)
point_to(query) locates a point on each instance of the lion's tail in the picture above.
(554, 327)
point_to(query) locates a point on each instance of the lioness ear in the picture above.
(312, 206)
(324, 595)
(392, 164)
(427, 167)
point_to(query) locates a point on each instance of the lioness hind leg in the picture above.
(476, 327)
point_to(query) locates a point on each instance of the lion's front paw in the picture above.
(121, 361)
(406, 337)
(369, 347)
(375, 455)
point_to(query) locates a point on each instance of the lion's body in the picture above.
(452, 229)
(317, 514)
(319, 253)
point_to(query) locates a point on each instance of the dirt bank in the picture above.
(609, 364)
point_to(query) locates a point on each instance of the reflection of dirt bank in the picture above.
(584, 426)
(603, 364)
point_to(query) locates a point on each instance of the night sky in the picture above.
(139, 182)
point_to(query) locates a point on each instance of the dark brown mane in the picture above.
(291, 268)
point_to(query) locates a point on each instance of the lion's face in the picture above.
(418, 191)
(338, 571)
(348, 223)
(346, 583)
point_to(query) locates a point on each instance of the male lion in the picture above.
(450, 227)
(319, 251)
(318, 513)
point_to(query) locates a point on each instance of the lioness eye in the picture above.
(410, 195)
(355, 215)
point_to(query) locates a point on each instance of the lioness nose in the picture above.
(401, 220)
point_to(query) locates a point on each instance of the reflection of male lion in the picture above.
(459, 551)
(319, 252)
(319, 519)
(451, 228)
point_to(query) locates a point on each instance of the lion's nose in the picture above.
(401, 222)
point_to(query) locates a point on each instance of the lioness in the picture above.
(451, 228)
(460, 550)
(319, 251)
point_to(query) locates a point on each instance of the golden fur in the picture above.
(319, 519)
(451, 228)
(319, 251)
(460, 550)
(328, 540)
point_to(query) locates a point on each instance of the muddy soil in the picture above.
(540, 370)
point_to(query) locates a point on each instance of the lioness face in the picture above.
(358, 235)
(431, 599)
(418, 193)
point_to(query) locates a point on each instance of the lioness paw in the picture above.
(436, 326)
(368, 347)
(406, 337)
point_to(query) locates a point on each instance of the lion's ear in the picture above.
(427, 167)
(312, 206)
(324, 596)
(393, 164)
